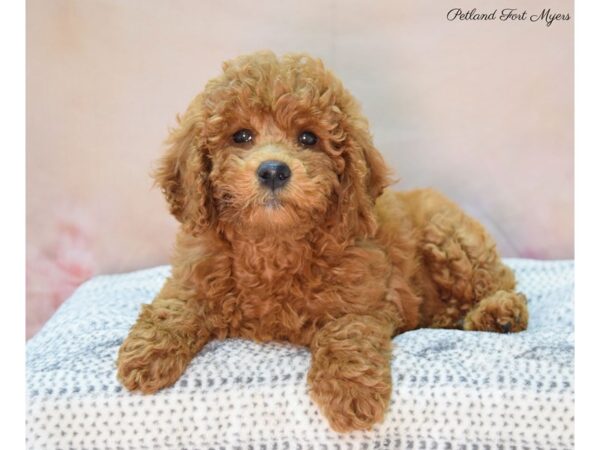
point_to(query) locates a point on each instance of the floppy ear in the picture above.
(378, 176)
(364, 178)
(183, 175)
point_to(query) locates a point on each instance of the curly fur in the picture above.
(331, 261)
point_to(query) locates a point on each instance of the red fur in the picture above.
(331, 261)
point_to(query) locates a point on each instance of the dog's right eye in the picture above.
(243, 136)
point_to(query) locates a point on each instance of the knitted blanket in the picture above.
(452, 389)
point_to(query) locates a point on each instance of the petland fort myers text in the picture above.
(546, 16)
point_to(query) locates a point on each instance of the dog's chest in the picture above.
(272, 300)
(289, 295)
(272, 268)
(264, 282)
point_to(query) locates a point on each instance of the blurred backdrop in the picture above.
(482, 111)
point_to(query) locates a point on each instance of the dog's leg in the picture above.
(165, 338)
(476, 291)
(350, 378)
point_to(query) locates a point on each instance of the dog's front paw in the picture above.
(150, 365)
(349, 377)
(351, 404)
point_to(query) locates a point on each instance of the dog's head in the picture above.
(273, 145)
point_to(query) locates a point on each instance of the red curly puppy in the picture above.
(287, 234)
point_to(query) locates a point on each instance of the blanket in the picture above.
(451, 389)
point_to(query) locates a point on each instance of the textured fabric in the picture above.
(452, 389)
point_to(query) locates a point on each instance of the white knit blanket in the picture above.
(452, 389)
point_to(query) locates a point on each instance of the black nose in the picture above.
(273, 174)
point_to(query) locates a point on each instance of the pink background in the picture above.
(480, 110)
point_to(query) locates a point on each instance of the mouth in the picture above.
(272, 203)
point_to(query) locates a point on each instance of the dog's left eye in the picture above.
(242, 136)
(308, 138)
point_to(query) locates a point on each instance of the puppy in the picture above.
(287, 233)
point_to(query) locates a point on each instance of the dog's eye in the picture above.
(308, 138)
(243, 136)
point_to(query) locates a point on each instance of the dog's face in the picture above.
(269, 176)
(273, 145)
